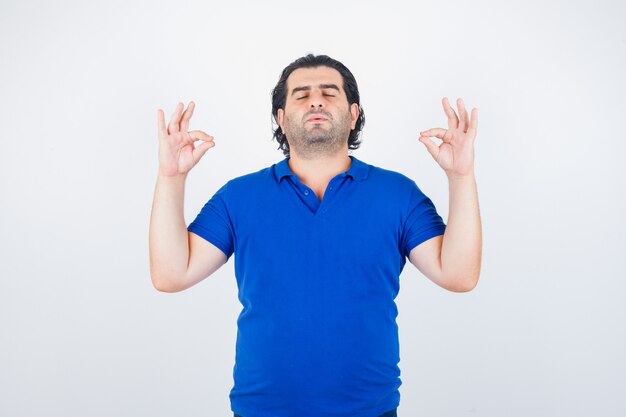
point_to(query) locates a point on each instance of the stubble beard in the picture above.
(318, 141)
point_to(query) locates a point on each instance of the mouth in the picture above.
(317, 119)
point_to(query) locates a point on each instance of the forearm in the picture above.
(461, 249)
(169, 242)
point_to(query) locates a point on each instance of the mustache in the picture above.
(315, 113)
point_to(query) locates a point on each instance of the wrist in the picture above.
(171, 178)
(461, 177)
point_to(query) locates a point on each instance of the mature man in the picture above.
(320, 240)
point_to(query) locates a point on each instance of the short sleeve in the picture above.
(213, 223)
(422, 221)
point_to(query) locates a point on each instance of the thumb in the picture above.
(431, 146)
(201, 150)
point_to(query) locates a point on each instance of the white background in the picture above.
(83, 331)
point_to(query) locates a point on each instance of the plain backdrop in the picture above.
(84, 333)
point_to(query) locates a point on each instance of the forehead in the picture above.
(313, 77)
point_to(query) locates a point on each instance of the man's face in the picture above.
(317, 118)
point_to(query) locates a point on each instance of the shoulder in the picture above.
(388, 179)
(248, 184)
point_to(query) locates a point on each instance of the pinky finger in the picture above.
(161, 123)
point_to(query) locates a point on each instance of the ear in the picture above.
(354, 112)
(280, 114)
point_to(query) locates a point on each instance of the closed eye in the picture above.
(327, 95)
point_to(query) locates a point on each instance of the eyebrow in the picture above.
(321, 86)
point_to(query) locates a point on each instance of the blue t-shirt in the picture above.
(317, 335)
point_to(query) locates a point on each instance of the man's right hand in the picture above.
(177, 154)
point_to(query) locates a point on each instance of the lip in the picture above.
(317, 119)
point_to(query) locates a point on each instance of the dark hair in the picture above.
(279, 96)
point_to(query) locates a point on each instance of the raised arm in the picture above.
(178, 259)
(453, 261)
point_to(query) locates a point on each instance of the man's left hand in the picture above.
(456, 153)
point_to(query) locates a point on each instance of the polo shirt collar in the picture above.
(357, 171)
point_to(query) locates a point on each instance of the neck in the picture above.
(319, 170)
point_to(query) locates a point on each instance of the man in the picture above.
(320, 239)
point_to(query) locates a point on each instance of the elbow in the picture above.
(162, 284)
(464, 281)
(162, 288)
(165, 288)
(463, 284)
(163, 279)
(467, 287)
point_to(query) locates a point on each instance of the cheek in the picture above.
(292, 116)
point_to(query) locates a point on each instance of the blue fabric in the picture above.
(317, 335)
(392, 413)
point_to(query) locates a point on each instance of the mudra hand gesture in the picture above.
(177, 153)
(456, 153)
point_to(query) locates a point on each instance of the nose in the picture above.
(316, 101)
